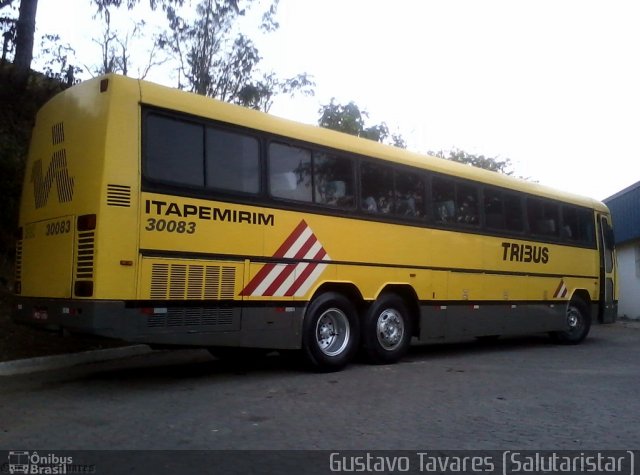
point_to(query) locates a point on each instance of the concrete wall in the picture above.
(629, 279)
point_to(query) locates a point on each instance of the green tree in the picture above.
(259, 94)
(21, 33)
(350, 119)
(493, 164)
(216, 60)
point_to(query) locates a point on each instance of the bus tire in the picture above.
(386, 332)
(330, 332)
(578, 324)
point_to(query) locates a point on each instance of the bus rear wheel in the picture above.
(578, 323)
(387, 330)
(330, 332)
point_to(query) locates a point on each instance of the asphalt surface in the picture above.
(525, 393)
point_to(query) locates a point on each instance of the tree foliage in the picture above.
(493, 164)
(58, 60)
(213, 56)
(350, 119)
(8, 25)
(18, 35)
(217, 60)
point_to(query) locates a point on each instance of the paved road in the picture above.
(516, 393)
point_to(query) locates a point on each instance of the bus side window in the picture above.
(290, 172)
(232, 162)
(409, 194)
(173, 150)
(443, 199)
(377, 188)
(577, 225)
(494, 209)
(513, 212)
(569, 228)
(333, 179)
(467, 202)
(586, 227)
(543, 217)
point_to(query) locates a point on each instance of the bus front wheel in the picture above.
(387, 330)
(578, 323)
(330, 332)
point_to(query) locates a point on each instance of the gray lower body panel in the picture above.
(459, 321)
(265, 326)
(209, 325)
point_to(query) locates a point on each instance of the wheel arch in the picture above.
(348, 289)
(408, 294)
(582, 295)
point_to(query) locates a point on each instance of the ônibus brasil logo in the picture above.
(34, 463)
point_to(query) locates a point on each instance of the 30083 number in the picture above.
(59, 227)
(171, 226)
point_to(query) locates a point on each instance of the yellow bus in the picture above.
(158, 216)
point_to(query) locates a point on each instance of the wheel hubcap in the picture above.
(390, 329)
(573, 319)
(332, 332)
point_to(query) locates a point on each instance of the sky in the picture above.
(553, 85)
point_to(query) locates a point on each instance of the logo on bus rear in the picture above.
(58, 173)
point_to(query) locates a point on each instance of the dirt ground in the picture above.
(19, 341)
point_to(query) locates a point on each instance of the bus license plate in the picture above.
(40, 315)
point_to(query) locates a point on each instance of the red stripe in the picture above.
(305, 273)
(286, 272)
(255, 282)
(282, 250)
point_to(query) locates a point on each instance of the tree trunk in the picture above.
(25, 32)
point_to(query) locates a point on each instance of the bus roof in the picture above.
(173, 99)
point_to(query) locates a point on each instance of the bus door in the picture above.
(607, 311)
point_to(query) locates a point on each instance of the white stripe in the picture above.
(289, 281)
(304, 288)
(298, 243)
(286, 285)
(313, 251)
(268, 280)
(279, 268)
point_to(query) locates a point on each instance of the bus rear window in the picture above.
(173, 150)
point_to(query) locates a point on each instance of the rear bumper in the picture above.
(190, 325)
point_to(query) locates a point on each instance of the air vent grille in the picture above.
(57, 133)
(192, 282)
(159, 281)
(119, 195)
(218, 318)
(85, 251)
(18, 264)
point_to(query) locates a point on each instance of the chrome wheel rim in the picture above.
(332, 332)
(390, 329)
(573, 319)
